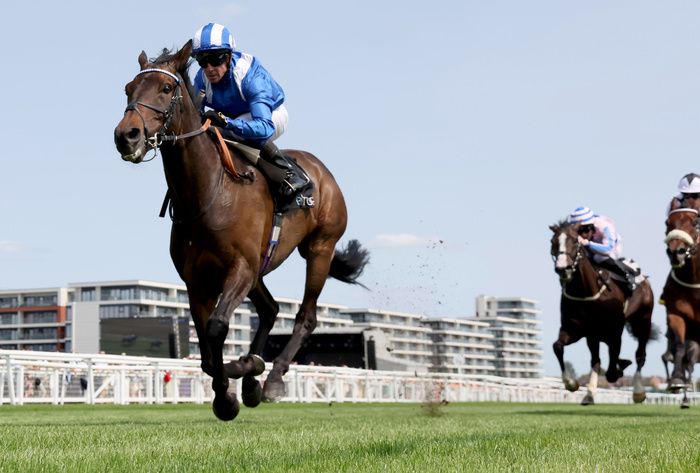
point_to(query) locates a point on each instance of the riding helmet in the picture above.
(212, 36)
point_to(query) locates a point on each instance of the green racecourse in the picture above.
(357, 438)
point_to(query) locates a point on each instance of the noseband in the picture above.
(685, 237)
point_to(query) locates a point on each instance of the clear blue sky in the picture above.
(458, 131)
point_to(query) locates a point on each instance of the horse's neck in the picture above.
(690, 272)
(586, 277)
(192, 169)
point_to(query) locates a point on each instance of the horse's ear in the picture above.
(553, 228)
(183, 55)
(143, 60)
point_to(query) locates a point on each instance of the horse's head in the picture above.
(152, 99)
(566, 251)
(682, 236)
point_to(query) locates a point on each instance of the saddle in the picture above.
(302, 200)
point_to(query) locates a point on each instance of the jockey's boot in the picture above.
(629, 273)
(289, 178)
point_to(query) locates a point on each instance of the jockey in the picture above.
(598, 234)
(247, 103)
(688, 193)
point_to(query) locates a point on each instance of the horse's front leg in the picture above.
(594, 348)
(235, 288)
(200, 308)
(565, 339)
(692, 354)
(317, 266)
(676, 325)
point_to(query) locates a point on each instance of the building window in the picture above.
(88, 294)
(8, 301)
(41, 300)
(8, 318)
(40, 333)
(43, 317)
(124, 310)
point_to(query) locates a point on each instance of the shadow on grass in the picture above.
(588, 411)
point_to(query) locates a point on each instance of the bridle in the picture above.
(569, 270)
(682, 254)
(566, 273)
(163, 134)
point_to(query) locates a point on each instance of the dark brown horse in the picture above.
(594, 307)
(222, 227)
(681, 296)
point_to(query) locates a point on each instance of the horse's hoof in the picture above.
(251, 395)
(258, 365)
(622, 364)
(571, 385)
(639, 398)
(685, 404)
(676, 385)
(613, 375)
(226, 407)
(274, 390)
(587, 400)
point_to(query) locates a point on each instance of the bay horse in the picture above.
(594, 307)
(681, 297)
(221, 239)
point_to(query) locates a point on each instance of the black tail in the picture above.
(347, 265)
(634, 330)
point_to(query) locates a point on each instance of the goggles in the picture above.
(585, 229)
(215, 60)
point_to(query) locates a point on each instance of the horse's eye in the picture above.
(167, 88)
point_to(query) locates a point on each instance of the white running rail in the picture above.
(59, 378)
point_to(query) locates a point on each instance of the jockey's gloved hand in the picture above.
(583, 241)
(217, 118)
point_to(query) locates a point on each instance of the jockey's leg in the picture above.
(286, 175)
(618, 267)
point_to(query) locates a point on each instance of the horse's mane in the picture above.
(165, 57)
(562, 225)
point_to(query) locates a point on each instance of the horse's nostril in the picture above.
(133, 134)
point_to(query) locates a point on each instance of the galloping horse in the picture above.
(222, 241)
(681, 296)
(593, 306)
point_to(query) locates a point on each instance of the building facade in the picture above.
(517, 334)
(503, 338)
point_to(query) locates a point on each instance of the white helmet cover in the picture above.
(689, 184)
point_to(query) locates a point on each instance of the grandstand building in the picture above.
(463, 346)
(150, 318)
(516, 333)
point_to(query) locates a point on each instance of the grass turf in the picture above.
(481, 437)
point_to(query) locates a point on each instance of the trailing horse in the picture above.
(224, 234)
(594, 307)
(681, 296)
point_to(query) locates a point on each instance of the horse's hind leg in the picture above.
(641, 330)
(615, 365)
(594, 348)
(318, 260)
(267, 310)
